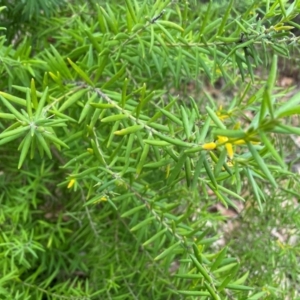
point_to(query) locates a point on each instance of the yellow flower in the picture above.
(71, 183)
(221, 115)
(209, 146)
(223, 140)
(101, 199)
(229, 150)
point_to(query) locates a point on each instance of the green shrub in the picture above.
(115, 152)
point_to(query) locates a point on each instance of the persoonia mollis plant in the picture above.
(115, 150)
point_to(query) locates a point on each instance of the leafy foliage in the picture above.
(114, 150)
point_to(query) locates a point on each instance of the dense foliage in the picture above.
(126, 133)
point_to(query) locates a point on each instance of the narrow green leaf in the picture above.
(204, 20)
(158, 164)
(220, 162)
(14, 131)
(225, 200)
(28, 104)
(114, 118)
(210, 173)
(212, 26)
(102, 105)
(288, 106)
(215, 118)
(97, 47)
(141, 101)
(97, 152)
(41, 104)
(157, 143)
(104, 60)
(8, 139)
(271, 149)
(193, 293)
(286, 129)
(112, 135)
(197, 170)
(204, 130)
(240, 66)
(124, 91)
(230, 192)
(130, 141)
(80, 72)
(280, 49)
(188, 171)
(211, 291)
(110, 18)
(171, 25)
(261, 164)
(24, 150)
(255, 188)
(60, 63)
(164, 47)
(235, 134)
(249, 64)
(288, 112)
(172, 141)
(194, 149)
(238, 287)
(228, 279)
(225, 268)
(242, 279)
(167, 252)
(87, 109)
(177, 169)
(201, 269)
(131, 10)
(54, 139)
(171, 116)
(257, 296)
(128, 130)
(155, 236)
(33, 94)
(114, 78)
(77, 95)
(133, 211)
(189, 276)
(13, 99)
(142, 224)
(7, 116)
(17, 114)
(185, 121)
(158, 114)
(151, 40)
(77, 159)
(142, 159)
(282, 3)
(84, 173)
(224, 19)
(267, 96)
(159, 127)
(43, 144)
(205, 68)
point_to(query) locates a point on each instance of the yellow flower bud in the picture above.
(71, 183)
(209, 146)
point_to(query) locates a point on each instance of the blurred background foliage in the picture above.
(149, 150)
